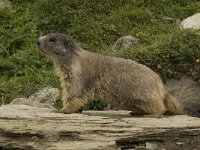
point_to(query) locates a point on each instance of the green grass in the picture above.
(96, 24)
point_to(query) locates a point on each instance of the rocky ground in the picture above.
(25, 127)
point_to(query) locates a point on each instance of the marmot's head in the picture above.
(57, 44)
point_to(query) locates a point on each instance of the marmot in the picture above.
(123, 83)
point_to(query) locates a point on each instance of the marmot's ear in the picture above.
(67, 43)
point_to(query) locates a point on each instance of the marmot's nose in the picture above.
(38, 42)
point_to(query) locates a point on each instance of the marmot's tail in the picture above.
(172, 105)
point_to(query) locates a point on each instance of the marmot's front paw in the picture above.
(60, 111)
(65, 111)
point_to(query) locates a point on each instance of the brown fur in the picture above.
(123, 83)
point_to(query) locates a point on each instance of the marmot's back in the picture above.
(126, 80)
(107, 64)
(121, 70)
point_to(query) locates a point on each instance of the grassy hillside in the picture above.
(96, 24)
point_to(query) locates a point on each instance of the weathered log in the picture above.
(25, 127)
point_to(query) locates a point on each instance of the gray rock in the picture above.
(192, 22)
(28, 102)
(45, 98)
(187, 92)
(47, 95)
(125, 43)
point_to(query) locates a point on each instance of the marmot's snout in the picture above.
(38, 42)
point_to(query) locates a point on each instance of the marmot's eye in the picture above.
(52, 39)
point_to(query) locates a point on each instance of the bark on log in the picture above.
(25, 127)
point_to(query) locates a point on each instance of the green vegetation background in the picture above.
(96, 24)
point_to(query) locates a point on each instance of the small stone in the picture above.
(47, 95)
(28, 102)
(151, 146)
(125, 43)
(180, 143)
(192, 22)
(168, 19)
